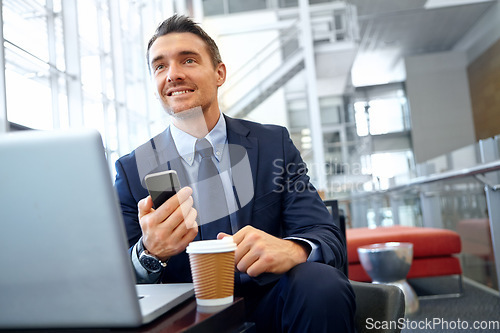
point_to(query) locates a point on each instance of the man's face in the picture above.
(184, 74)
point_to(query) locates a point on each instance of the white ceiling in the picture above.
(390, 30)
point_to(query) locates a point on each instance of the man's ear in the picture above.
(220, 71)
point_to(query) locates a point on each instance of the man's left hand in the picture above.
(258, 252)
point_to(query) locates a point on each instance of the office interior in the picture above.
(393, 104)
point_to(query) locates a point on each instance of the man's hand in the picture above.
(168, 230)
(259, 252)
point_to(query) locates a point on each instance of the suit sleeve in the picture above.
(304, 213)
(128, 203)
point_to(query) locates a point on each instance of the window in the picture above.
(81, 63)
(380, 116)
(32, 66)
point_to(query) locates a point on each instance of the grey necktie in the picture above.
(212, 206)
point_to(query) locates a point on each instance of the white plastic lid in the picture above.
(225, 244)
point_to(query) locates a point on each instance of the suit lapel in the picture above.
(169, 158)
(238, 137)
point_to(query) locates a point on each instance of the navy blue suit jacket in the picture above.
(285, 203)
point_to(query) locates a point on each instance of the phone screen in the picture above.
(161, 186)
(159, 197)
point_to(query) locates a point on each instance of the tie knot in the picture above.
(204, 148)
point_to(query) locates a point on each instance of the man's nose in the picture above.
(175, 74)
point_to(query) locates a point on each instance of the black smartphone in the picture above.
(161, 186)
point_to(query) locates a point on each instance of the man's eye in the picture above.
(159, 67)
(190, 61)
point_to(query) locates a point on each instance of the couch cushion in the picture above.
(427, 242)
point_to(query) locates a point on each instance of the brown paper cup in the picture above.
(212, 269)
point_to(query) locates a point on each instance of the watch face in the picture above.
(150, 263)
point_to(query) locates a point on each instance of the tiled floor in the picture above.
(475, 311)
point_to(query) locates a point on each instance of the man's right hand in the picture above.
(168, 230)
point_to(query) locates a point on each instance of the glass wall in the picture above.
(451, 192)
(32, 66)
(82, 64)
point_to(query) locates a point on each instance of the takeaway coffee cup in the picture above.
(212, 268)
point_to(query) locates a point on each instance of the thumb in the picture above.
(145, 206)
(221, 235)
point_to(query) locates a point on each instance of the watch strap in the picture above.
(141, 248)
(141, 273)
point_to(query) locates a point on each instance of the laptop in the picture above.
(64, 259)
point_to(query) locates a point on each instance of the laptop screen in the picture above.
(63, 248)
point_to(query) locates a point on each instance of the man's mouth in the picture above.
(180, 92)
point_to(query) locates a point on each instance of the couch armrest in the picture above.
(378, 303)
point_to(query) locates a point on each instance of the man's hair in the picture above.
(181, 23)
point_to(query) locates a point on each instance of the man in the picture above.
(287, 246)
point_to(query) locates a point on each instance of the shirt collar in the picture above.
(185, 142)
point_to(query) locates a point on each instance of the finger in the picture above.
(145, 206)
(184, 193)
(190, 223)
(242, 249)
(245, 239)
(188, 238)
(187, 229)
(177, 218)
(186, 206)
(256, 268)
(239, 236)
(184, 226)
(170, 206)
(190, 220)
(249, 259)
(221, 235)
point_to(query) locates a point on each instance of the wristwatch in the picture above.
(151, 263)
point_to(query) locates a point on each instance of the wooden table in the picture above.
(186, 317)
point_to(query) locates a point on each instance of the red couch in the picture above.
(434, 250)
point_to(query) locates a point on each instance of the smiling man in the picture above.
(186, 76)
(288, 248)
